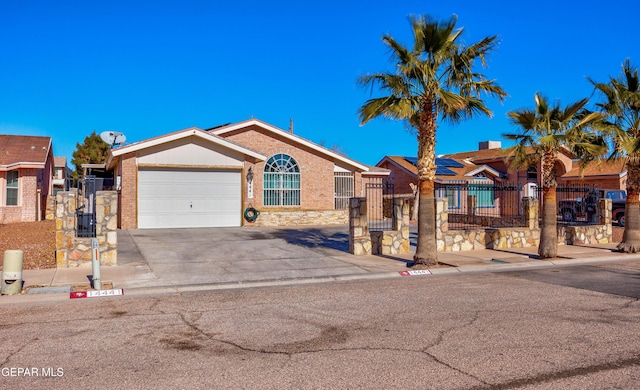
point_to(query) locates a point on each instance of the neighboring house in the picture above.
(62, 175)
(26, 172)
(217, 177)
(476, 172)
(491, 161)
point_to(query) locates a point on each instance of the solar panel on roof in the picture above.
(442, 165)
(412, 160)
(448, 162)
(444, 171)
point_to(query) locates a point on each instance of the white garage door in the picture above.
(174, 198)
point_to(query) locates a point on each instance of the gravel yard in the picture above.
(36, 239)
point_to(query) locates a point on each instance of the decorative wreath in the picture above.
(251, 214)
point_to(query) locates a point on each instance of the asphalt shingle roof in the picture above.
(21, 149)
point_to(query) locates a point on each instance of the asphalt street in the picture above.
(524, 330)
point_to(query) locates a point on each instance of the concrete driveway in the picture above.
(178, 257)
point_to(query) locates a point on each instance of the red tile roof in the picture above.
(23, 150)
(597, 168)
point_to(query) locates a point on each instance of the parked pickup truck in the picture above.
(586, 207)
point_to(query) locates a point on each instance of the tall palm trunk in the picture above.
(548, 247)
(631, 237)
(426, 249)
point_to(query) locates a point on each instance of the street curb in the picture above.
(50, 298)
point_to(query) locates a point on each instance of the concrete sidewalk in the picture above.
(210, 259)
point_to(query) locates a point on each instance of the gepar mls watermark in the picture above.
(31, 372)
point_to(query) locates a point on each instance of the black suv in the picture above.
(586, 207)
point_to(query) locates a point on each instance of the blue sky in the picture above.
(68, 68)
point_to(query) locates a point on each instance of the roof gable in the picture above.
(181, 134)
(22, 151)
(225, 129)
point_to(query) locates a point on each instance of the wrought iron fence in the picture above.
(482, 203)
(476, 204)
(380, 210)
(86, 211)
(576, 204)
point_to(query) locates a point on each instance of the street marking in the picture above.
(96, 293)
(415, 272)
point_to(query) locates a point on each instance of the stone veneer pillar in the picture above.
(530, 212)
(72, 251)
(359, 238)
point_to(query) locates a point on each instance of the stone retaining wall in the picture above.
(388, 242)
(72, 251)
(301, 218)
(518, 237)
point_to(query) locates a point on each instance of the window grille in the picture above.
(343, 189)
(281, 181)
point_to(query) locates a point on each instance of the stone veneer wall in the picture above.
(388, 242)
(72, 251)
(518, 237)
(300, 218)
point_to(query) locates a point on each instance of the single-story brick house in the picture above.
(217, 177)
(26, 172)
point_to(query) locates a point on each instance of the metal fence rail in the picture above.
(481, 204)
(86, 211)
(577, 204)
(380, 211)
(484, 204)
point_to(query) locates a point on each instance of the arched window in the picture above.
(281, 181)
(532, 173)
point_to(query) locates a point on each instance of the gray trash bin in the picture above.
(12, 272)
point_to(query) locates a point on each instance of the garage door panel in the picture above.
(189, 198)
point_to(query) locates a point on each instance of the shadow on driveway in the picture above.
(336, 238)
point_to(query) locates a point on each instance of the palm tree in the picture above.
(433, 80)
(621, 103)
(545, 131)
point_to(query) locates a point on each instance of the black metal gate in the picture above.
(380, 210)
(86, 212)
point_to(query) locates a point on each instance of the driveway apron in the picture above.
(218, 255)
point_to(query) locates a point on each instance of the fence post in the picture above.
(472, 205)
(530, 212)
(442, 222)
(359, 237)
(606, 206)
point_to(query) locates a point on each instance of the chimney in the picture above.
(484, 145)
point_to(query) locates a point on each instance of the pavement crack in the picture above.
(12, 354)
(565, 374)
(441, 336)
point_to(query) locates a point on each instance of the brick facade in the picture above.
(400, 178)
(28, 198)
(127, 202)
(259, 142)
(316, 172)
